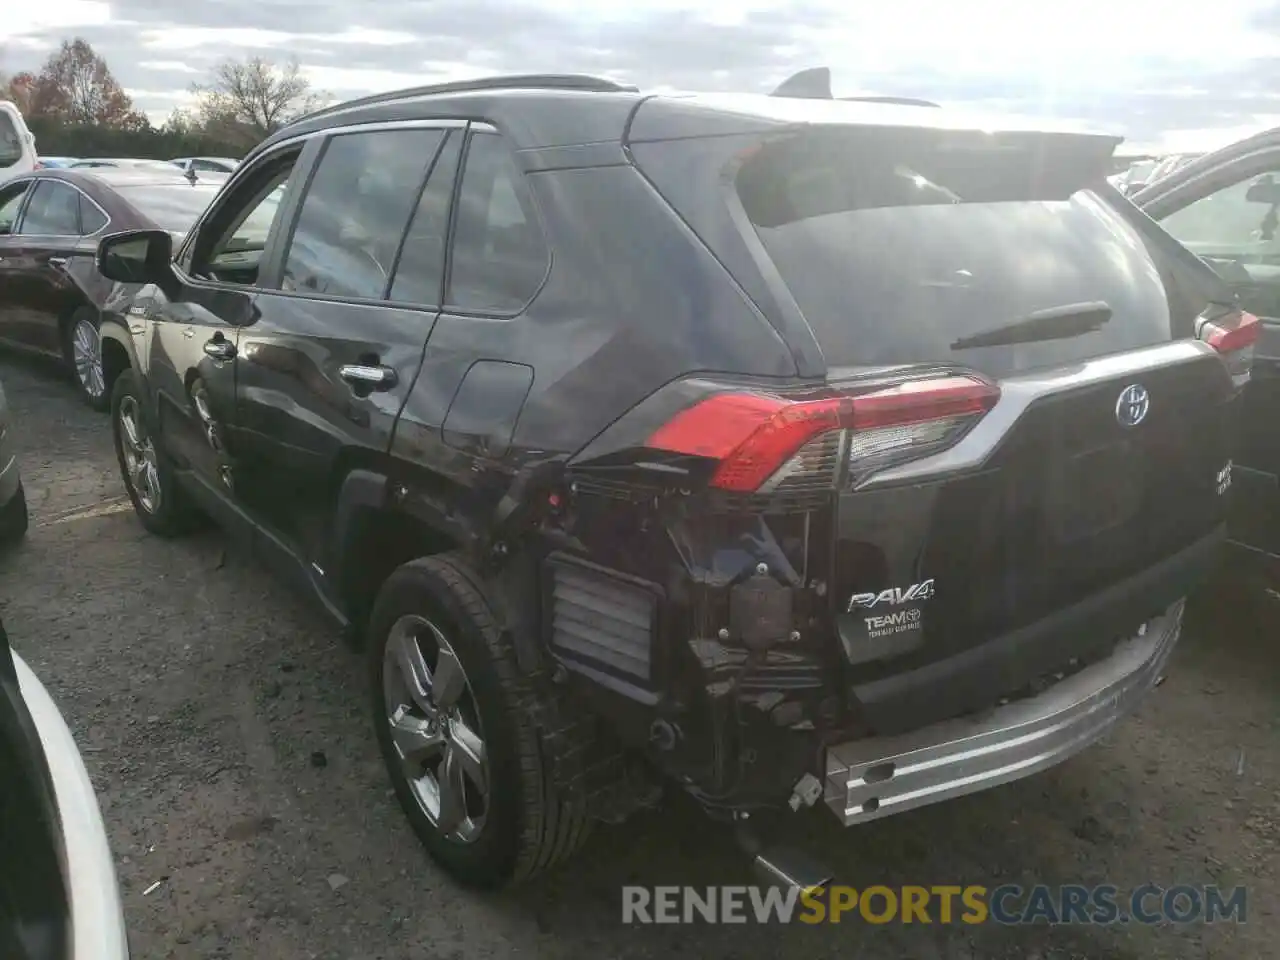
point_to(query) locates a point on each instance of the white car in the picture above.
(206, 164)
(59, 896)
(17, 144)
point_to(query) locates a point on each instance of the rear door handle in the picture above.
(219, 348)
(363, 375)
(57, 261)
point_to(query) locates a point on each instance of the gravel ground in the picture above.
(223, 724)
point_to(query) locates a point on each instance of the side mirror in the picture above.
(138, 256)
(1264, 190)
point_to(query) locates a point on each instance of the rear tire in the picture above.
(160, 503)
(527, 825)
(13, 517)
(82, 347)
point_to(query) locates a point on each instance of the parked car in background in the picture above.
(51, 294)
(1134, 176)
(13, 499)
(206, 164)
(59, 894)
(726, 441)
(17, 145)
(54, 163)
(1225, 206)
(93, 162)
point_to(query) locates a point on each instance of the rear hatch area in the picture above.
(972, 554)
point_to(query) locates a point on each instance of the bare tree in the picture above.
(252, 99)
(76, 86)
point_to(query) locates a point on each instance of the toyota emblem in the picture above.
(1132, 406)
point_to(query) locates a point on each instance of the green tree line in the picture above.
(75, 107)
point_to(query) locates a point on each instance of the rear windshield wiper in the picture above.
(1055, 323)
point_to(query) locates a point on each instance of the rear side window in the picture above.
(499, 253)
(355, 211)
(900, 246)
(54, 211)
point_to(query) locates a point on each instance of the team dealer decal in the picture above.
(893, 613)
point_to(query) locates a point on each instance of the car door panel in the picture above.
(327, 365)
(194, 391)
(192, 334)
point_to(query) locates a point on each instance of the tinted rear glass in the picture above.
(897, 246)
(171, 207)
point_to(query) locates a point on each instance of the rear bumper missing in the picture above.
(878, 776)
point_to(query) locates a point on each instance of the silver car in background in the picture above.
(13, 501)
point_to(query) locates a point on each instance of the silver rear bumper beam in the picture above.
(878, 776)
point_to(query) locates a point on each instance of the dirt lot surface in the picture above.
(223, 724)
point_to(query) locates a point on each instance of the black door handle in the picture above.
(219, 347)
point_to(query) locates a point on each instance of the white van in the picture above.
(17, 145)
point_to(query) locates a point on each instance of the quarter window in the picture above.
(54, 211)
(499, 254)
(355, 211)
(92, 219)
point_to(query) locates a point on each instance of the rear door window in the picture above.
(54, 211)
(355, 211)
(900, 246)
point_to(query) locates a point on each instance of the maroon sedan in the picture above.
(51, 294)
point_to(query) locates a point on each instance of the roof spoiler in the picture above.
(815, 84)
(811, 84)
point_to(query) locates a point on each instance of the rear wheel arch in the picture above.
(372, 534)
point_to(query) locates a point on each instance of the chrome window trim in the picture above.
(249, 164)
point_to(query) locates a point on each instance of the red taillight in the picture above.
(756, 437)
(1234, 336)
(1234, 332)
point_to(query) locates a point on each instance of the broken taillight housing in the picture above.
(1233, 335)
(769, 443)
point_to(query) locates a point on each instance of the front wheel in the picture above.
(462, 750)
(159, 502)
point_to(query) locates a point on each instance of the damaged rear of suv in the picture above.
(954, 550)
(821, 454)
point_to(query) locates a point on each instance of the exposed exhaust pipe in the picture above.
(786, 867)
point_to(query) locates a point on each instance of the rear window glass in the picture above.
(897, 247)
(171, 207)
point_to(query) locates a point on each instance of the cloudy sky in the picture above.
(1175, 74)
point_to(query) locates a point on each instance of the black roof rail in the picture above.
(901, 101)
(815, 84)
(528, 81)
